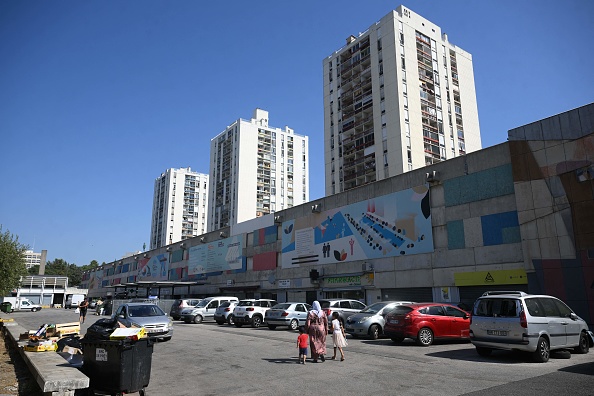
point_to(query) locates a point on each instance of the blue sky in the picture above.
(98, 98)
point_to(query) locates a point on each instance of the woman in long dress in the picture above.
(317, 328)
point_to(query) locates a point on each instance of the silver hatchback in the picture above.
(370, 321)
(290, 314)
(532, 323)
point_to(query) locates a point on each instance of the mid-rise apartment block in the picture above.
(255, 170)
(32, 259)
(397, 97)
(180, 209)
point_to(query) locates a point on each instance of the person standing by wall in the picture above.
(84, 304)
(317, 328)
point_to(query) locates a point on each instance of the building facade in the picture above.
(516, 216)
(398, 97)
(256, 170)
(180, 208)
(32, 259)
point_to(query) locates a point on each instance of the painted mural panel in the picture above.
(391, 225)
(217, 256)
(96, 279)
(153, 268)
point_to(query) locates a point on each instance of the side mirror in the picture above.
(123, 316)
(466, 316)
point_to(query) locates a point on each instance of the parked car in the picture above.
(205, 309)
(224, 313)
(426, 322)
(180, 304)
(526, 322)
(343, 306)
(155, 321)
(370, 321)
(292, 314)
(251, 311)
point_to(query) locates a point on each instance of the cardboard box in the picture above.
(64, 329)
(133, 333)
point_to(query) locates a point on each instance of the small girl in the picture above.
(302, 341)
(338, 336)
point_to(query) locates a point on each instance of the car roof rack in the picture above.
(502, 292)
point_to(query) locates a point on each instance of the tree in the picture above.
(12, 261)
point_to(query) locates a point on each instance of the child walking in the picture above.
(302, 341)
(338, 336)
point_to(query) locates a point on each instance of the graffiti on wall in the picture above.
(217, 256)
(153, 268)
(390, 225)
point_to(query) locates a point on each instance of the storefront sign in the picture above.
(352, 280)
(501, 277)
(285, 283)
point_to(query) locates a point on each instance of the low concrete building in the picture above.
(516, 216)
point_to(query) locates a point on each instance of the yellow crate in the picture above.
(63, 329)
(41, 348)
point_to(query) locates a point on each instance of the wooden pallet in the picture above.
(64, 329)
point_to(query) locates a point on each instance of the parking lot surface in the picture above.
(208, 359)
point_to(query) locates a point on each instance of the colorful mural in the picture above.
(386, 226)
(153, 268)
(217, 256)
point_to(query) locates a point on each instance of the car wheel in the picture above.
(272, 327)
(425, 337)
(198, 319)
(584, 346)
(238, 324)
(256, 321)
(230, 319)
(397, 340)
(294, 325)
(220, 322)
(374, 332)
(483, 351)
(543, 351)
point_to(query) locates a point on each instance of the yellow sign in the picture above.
(354, 280)
(501, 277)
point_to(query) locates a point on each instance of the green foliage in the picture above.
(60, 267)
(12, 261)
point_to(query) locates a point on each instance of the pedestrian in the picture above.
(302, 345)
(338, 336)
(317, 328)
(99, 307)
(82, 307)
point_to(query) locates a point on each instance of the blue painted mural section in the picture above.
(500, 228)
(177, 256)
(456, 235)
(490, 183)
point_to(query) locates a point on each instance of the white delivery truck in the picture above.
(74, 300)
(21, 304)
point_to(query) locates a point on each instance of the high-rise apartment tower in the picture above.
(180, 209)
(398, 97)
(256, 170)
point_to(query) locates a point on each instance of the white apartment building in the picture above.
(256, 170)
(397, 97)
(32, 259)
(180, 208)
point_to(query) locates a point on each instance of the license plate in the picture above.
(497, 332)
(152, 330)
(394, 321)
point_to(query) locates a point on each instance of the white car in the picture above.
(526, 322)
(251, 311)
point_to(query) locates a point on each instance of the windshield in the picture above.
(145, 310)
(245, 304)
(202, 303)
(375, 308)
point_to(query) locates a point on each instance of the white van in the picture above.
(74, 300)
(515, 320)
(205, 309)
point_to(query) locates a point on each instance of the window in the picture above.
(435, 310)
(451, 311)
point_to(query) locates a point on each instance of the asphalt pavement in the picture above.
(208, 359)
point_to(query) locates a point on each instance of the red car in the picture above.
(425, 322)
